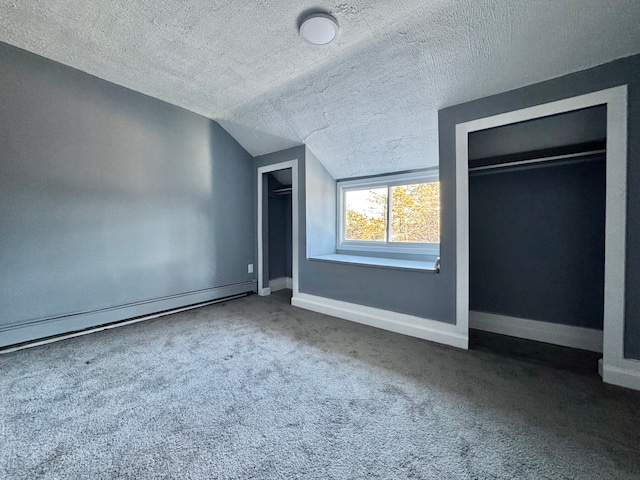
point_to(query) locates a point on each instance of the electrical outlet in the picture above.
(250, 268)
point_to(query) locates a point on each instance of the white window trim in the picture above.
(387, 181)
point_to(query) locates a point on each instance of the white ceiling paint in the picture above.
(364, 104)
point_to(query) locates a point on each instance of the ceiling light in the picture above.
(319, 28)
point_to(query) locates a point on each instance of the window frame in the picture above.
(387, 246)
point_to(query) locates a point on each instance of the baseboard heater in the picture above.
(109, 326)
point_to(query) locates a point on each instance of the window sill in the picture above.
(394, 263)
(416, 255)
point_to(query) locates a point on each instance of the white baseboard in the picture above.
(280, 283)
(565, 335)
(627, 375)
(426, 329)
(264, 292)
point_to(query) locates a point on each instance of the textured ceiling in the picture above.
(365, 104)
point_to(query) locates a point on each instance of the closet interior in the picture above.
(280, 229)
(537, 219)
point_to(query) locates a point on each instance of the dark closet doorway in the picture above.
(277, 232)
(537, 196)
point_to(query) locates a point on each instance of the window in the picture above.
(397, 213)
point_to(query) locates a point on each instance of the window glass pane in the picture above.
(366, 214)
(415, 213)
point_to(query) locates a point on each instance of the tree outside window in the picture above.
(414, 208)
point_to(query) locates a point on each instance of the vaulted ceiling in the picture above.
(365, 104)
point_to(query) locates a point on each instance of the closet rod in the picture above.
(567, 156)
(282, 191)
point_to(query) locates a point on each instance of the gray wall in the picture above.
(321, 197)
(536, 246)
(620, 72)
(112, 204)
(424, 294)
(536, 243)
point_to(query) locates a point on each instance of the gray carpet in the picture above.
(254, 388)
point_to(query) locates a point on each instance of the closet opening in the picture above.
(279, 226)
(613, 366)
(277, 230)
(537, 198)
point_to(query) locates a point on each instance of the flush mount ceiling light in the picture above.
(319, 28)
